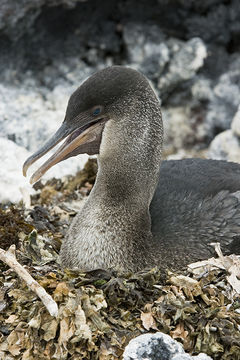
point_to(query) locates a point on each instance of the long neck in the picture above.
(130, 155)
(114, 227)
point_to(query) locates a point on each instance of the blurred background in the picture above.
(190, 50)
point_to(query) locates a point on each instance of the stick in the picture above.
(9, 258)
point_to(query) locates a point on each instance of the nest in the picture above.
(99, 312)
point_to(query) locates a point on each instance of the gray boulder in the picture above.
(146, 48)
(187, 58)
(225, 146)
(12, 182)
(158, 346)
(225, 101)
(29, 115)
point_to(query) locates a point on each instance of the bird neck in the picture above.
(114, 226)
(129, 173)
(124, 182)
(130, 153)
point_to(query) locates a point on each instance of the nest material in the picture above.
(101, 311)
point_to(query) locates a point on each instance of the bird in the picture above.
(142, 212)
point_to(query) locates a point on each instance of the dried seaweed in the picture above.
(11, 224)
(100, 311)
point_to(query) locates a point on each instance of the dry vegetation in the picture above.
(100, 311)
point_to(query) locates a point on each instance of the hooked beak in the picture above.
(80, 140)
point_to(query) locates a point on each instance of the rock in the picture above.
(235, 126)
(177, 128)
(184, 128)
(188, 357)
(146, 48)
(174, 61)
(12, 13)
(26, 118)
(224, 103)
(35, 34)
(224, 111)
(30, 114)
(158, 346)
(12, 182)
(202, 89)
(11, 178)
(67, 75)
(210, 27)
(225, 146)
(187, 58)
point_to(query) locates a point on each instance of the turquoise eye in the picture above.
(97, 111)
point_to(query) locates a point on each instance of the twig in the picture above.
(9, 258)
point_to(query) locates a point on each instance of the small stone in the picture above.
(157, 346)
(152, 347)
(225, 146)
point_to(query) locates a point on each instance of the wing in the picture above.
(195, 203)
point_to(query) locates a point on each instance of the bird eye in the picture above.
(96, 111)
